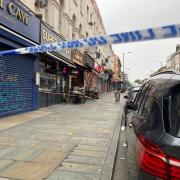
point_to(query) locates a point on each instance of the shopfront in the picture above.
(90, 78)
(107, 83)
(55, 70)
(78, 74)
(18, 82)
(99, 72)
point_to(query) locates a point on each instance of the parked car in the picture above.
(153, 141)
(132, 92)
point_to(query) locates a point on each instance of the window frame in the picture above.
(75, 2)
(147, 100)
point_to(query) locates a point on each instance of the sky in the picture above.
(128, 15)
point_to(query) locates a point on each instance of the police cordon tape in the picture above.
(164, 32)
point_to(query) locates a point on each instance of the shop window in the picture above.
(48, 81)
(54, 17)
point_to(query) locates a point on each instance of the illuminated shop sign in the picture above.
(49, 36)
(20, 19)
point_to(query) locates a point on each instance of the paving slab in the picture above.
(85, 160)
(20, 154)
(67, 175)
(50, 157)
(83, 168)
(88, 153)
(92, 148)
(4, 163)
(27, 170)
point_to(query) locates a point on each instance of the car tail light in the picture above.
(155, 162)
(174, 168)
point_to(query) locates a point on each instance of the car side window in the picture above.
(145, 106)
(155, 114)
(140, 96)
(175, 113)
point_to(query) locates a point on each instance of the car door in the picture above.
(131, 137)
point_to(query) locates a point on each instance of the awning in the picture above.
(99, 75)
(57, 58)
(109, 71)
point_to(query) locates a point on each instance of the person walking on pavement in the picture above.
(117, 95)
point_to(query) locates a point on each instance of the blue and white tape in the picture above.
(163, 32)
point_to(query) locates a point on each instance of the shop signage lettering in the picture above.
(19, 14)
(48, 36)
(4, 77)
(1, 4)
(15, 16)
(78, 58)
(15, 11)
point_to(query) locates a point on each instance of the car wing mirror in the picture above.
(131, 105)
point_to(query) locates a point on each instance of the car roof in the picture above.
(136, 88)
(165, 80)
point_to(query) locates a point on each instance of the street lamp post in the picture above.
(160, 62)
(124, 67)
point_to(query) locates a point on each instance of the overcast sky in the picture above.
(126, 15)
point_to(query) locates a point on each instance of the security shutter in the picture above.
(16, 84)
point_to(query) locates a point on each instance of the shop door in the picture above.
(16, 84)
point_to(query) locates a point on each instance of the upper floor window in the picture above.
(80, 30)
(81, 7)
(54, 17)
(75, 1)
(74, 20)
(87, 17)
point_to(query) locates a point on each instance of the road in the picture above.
(124, 164)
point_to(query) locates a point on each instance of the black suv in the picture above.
(153, 140)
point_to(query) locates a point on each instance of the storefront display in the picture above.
(55, 70)
(78, 73)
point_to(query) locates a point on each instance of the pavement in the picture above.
(61, 142)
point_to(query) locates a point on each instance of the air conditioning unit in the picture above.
(41, 3)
